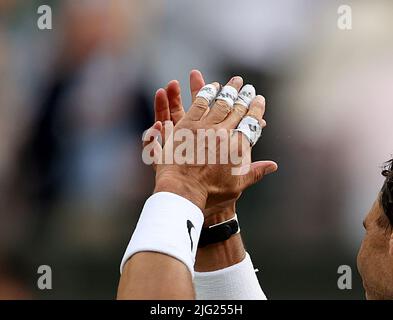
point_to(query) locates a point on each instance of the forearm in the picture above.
(159, 260)
(155, 276)
(220, 255)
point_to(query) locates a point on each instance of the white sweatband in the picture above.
(251, 128)
(228, 94)
(168, 224)
(237, 282)
(208, 92)
(246, 95)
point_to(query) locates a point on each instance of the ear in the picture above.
(391, 245)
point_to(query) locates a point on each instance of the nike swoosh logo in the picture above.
(189, 227)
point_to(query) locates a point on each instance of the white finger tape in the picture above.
(208, 92)
(246, 95)
(228, 94)
(251, 128)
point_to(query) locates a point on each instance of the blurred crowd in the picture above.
(75, 100)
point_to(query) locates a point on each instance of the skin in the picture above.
(375, 258)
(202, 185)
(169, 107)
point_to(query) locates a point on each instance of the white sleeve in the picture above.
(237, 282)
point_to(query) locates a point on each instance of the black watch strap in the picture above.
(218, 232)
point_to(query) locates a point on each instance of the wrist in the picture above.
(183, 186)
(219, 213)
(222, 254)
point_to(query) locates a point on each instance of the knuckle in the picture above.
(258, 175)
(239, 110)
(256, 114)
(222, 106)
(200, 103)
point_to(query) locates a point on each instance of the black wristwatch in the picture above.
(218, 232)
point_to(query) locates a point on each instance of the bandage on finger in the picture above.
(246, 95)
(228, 94)
(203, 99)
(208, 92)
(251, 128)
(224, 101)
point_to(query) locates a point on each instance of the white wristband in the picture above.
(168, 224)
(237, 282)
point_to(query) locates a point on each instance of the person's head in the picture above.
(375, 258)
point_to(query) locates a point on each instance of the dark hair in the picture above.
(387, 191)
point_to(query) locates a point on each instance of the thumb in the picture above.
(257, 170)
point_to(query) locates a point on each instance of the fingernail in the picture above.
(236, 79)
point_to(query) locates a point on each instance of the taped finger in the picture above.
(203, 99)
(224, 101)
(240, 108)
(251, 128)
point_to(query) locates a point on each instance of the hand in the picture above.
(168, 106)
(199, 181)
